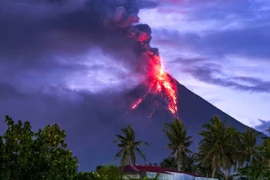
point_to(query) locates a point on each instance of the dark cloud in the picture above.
(251, 42)
(46, 42)
(241, 28)
(147, 4)
(34, 33)
(207, 71)
(67, 31)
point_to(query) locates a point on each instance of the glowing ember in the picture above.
(137, 103)
(161, 82)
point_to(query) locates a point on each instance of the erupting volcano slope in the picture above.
(160, 82)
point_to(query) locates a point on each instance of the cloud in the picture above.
(66, 42)
(248, 42)
(206, 70)
(65, 30)
(148, 4)
(264, 126)
(230, 39)
(216, 28)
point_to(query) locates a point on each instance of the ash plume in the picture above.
(38, 31)
(46, 28)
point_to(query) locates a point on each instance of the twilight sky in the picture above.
(55, 52)
(219, 50)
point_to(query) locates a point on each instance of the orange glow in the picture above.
(161, 83)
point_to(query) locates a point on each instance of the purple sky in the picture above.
(218, 49)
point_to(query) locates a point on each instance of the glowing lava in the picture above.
(162, 83)
(137, 103)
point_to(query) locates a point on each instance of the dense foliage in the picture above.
(223, 149)
(25, 154)
(41, 155)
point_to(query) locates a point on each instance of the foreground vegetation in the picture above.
(29, 155)
(43, 155)
(221, 150)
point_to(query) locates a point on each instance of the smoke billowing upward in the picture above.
(116, 22)
(72, 27)
(50, 28)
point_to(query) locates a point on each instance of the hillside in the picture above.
(149, 118)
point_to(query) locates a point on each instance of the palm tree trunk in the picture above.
(179, 161)
(213, 173)
(179, 165)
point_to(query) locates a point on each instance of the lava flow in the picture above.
(162, 83)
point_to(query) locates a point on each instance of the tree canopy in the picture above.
(179, 141)
(44, 154)
(41, 155)
(129, 147)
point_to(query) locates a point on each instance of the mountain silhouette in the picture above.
(149, 117)
(92, 121)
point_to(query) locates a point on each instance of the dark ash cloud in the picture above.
(48, 41)
(66, 30)
(32, 32)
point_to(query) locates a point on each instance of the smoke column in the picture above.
(121, 17)
(70, 27)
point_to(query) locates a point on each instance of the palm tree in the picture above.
(129, 147)
(231, 151)
(257, 157)
(179, 142)
(248, 145)
(215, 145)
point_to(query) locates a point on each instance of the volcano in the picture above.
(149, 118)
(92, 121)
